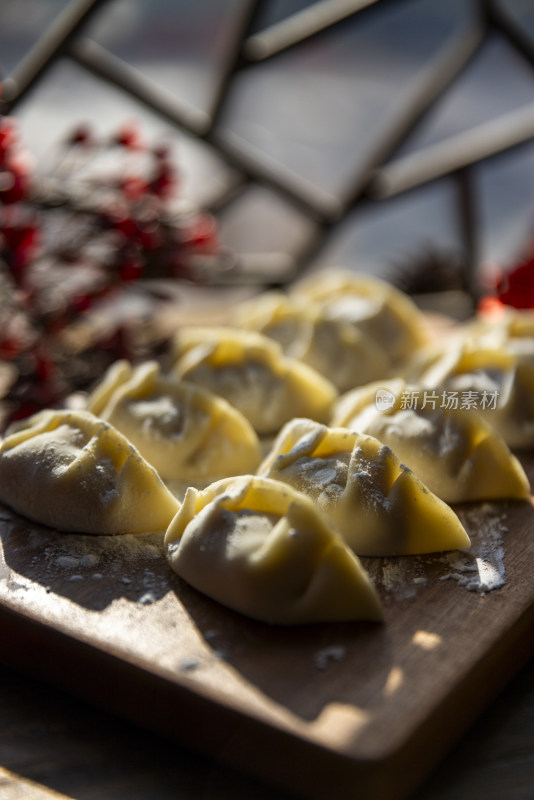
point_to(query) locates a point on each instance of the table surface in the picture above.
(54, 746)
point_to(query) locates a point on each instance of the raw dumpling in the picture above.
(348, 357)
(252, 373)
(511, 329)
(72, 471)
(385, 314)
(380, 507)
(115, 376)
(496, 382)
(266, 551)
(453, 450)
(188, 434)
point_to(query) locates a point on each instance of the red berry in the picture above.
(7, 136)
(9, 348)
(129, 137)
(201, 233)
(517, 288)
(130, 270)
(164, 182)
(133, 188)
(45, 368)
(14, 183)
(82, 302)
(20, 244)
(149, 234)
(125, 225)
(81, 135)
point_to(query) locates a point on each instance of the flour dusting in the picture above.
(480, 569)
(484, 571)
(400, 577)
(134, 564)
(395, 579)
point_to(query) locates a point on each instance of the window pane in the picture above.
(21, 24)
(318, 109)
(178, 44)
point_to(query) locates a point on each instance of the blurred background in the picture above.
(395, 138)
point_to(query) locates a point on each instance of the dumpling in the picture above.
(511, 329)
(337, 349)
(380, 507)
(266, 551)
(75, 472)
(115, 376)
(453, 450)
(385, 314)
(251, 372)
(496, 382)
(188, 434)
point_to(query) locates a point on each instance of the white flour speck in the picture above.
(147, 599)
(394, 575)
(67, 562)
(189, 665)
(328, 654)
(89, 560)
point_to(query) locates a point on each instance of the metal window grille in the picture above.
(384, 173)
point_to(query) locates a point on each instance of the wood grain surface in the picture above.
(53, 745)
(376, 705)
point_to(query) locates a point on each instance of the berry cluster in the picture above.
(93, 231)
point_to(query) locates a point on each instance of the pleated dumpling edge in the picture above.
(76, 473)
(379, 505)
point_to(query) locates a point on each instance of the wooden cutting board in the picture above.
(326, 711)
